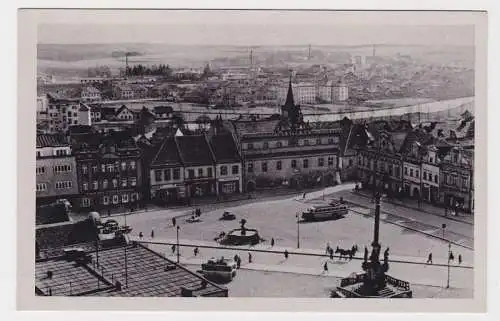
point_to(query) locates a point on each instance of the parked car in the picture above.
(228, 216)
(193, 219)
(65, 202)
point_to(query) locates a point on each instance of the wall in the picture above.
(50, 178)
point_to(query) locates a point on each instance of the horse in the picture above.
(345, 253)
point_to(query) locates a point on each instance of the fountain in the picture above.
(241, 236)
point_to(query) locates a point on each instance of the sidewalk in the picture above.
(424, 207)
(420, 274)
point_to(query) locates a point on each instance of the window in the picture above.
(306, 142)
(235, 170)
(359, 161)
(111, 168)
(40, 170)
(177, 173)
(103, 168)
(62, 168)
(124, 166)
(191, 173)
(115, 183)
(85, 202)
(431, 160)
(321, 162)
(64, 185)
(250, 167)
(330, 141)
(133, 181)
(125, 198)
(318, 141)
(425, 176)
(200, 172)
(278, 165)
(95, 185)
(85, 186)
(84, 169)
(411, 172)
(38, 154)
(294, 163)
(406, 170)
(105, 200)
(249, 146)
(266, 145)
(264, 166)
(94, 169)
(166, 174)
(435, 178)
(132, 164)
(223, 170)
(124, 182)
(115, 199)
(229, 188)
(41, 187)
(158, 177)
(279, 144)
(417, 174)
(305, 163)
(105, 184)
(330, 160)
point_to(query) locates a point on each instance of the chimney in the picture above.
(50, 274)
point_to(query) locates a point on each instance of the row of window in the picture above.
(454, 180)
(235, 169)
(132, 181)
(279, 164)
(64, 185)
(115, 199)
(412, 171)
(306, 142)
(62, 169)
(200, 173)
(40, 170)
(428, 177)
(40, 187)
(110, 168)
(168, 174)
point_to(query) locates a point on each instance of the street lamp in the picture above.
(443, 226)
(178, 251)
(298, 231)
(449, 257)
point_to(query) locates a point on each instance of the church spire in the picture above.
(289, 96)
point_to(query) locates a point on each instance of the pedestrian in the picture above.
(328, 247)
(451, 257)
(460, 259)
(249, 257)
(304, 196)
(429, 259)
(174, 222)
(173, 249)
(331, 254)
(238, 261)
(109, 212)
(235, 258)
(195, 251)
(325, 267)
(272, 241)
(286, 254)
(140, 235)
(152, 234)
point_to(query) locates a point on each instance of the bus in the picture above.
(219, 269)
(325, 212)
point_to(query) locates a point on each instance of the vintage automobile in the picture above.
(219, 269)
(228, 216)
(193, 219)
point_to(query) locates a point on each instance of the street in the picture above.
(277, 219)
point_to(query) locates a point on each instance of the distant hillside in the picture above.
(70, 53)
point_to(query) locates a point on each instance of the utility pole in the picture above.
(448, 280)
(298, 231)
(178, 251)
(126, 266)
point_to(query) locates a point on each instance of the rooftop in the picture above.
(167, 154)
(51, 140)
(224, 148)
(194, 150)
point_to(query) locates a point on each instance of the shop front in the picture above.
(201, 188)
(167, 194)
(228, 186)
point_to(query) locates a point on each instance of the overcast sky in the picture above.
(250, 28)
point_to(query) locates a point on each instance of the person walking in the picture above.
(140, 235)
(429, 259)
(325, 267)
(304, 196)
(196, 250)
(286, 254)
(173, 249)
(328, 247)
(174, 221)
(272, 242)
(451, 257)
(249, 257)
(331, 254)
(460, 259)
(152, 234)
(238, 261)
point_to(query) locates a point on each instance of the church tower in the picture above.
(290, 112)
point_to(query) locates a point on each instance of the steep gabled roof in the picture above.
(225, 149)
(194, 150)
(167, 154)
(123, 107)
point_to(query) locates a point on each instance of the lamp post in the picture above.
(178, 250)
(298, 231)
(449, 255)
(443, 226)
